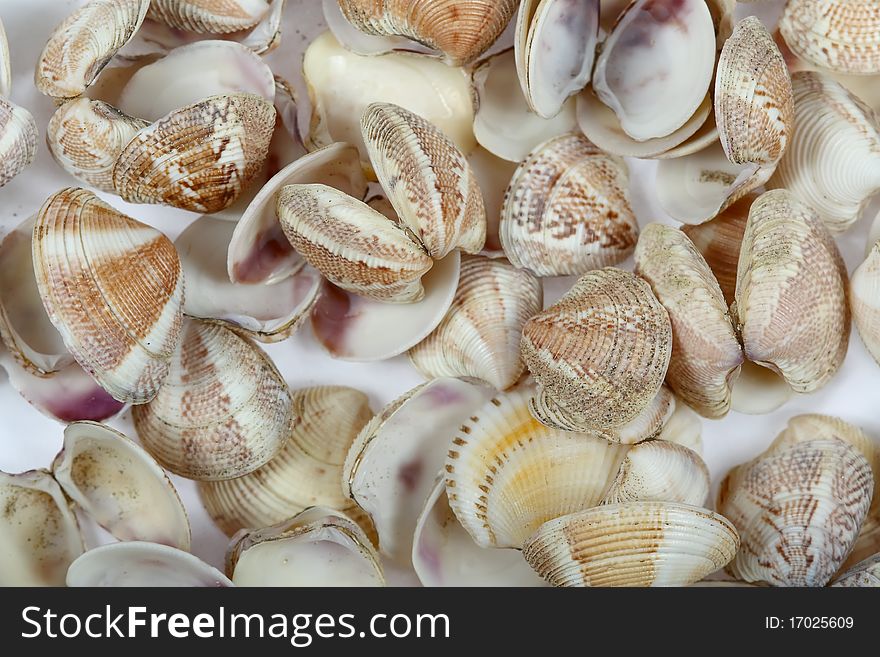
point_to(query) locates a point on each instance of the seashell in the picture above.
(209, 16)
(359, 42)
(599, 354)
(391, 466)
(460, 29)
(789, 262)
(864, 297)
(647, 424)
(841, 36)
(318, 547)
(265, 36)
(139, 564)
(18, 140)
(479, 336)
(656, 49)
(83, 44)
(683, 428)
(706, 354)
(865, 574)
(493, 176)
(759, 390)
(306, 472)
(566, 210)
(833, 160)
(85, 254)
(660, 470)
(5, 64)
(86, 137)
(120, 486)
(198, 157)
(224, 410)
(635, 544)
(555, 49)
(39, 535)
(427, 180)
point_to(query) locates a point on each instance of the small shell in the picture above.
(18, 140)
(864, 295)
(566, 210)
(599, 354)
(318, 547)
(635, 544)
(209, 16)
(224, 410)
(85, 254)
(791, 293)
(865, 574)
(660, 470)
(479, 337)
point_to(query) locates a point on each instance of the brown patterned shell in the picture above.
(113, 288)
(199, 157)
(599, 354)
(209, 16)
(18, 140)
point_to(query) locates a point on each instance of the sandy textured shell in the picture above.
(706, 353)
(427, 179)
(841, 35)
(306, 472)
(479, 337)
(635, 544)
(355, 247)
(209, 16)
(566, 210)
(86, 255)
(5, 64)
(224, 410)
(833, 159)
(318, 547)
(198, 157)
(120, 486)
(86, 138)
(791, 293)
(864, 574)
(864, 296)
(39, 535)
(461, 29)
(18, 140)
(82, 45)
(646, 425)
(599, 354)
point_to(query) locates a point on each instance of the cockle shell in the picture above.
(353, 39)
(599, 354)
(224, 410)
(706, 354)
(566, 210)
(82, 45)
(791, 290)
(18, 140)
(864, 574)
(479, 337)
(864, 296)
(635, 544)
(209, 16)
(85, 256)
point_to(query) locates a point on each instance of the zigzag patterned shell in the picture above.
(209, 16)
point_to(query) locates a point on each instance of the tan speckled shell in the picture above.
(864, 295)
(646, 425)
(209, 16)
(865, 574)
(599, 354)
(18, 140)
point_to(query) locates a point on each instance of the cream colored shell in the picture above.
(864, 296)
(18, 140)
(209, 16)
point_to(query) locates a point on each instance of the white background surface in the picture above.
(29, 440)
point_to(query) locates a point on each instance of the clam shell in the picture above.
(865, 574)
(660, 470)
(359, 42)
(683, 428)
(209, 16)
(5, 64)
(635, 544)
(759, 390)
(85, 256)
(599, 354)
(479, 336)
(18, 140)
(646, 425)
(864, 296)
(566, 211)
(224, 410)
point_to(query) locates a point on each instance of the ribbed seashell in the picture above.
(306, 472)
(646, 425)
(5, 64)
(39, 535)
(833, 160)
(86, 138)
(142, 564)
(86, 255)
(706, 354)
(460, 29)
(599, 354)
(566, 210)
(635, 544)
(791, 291)
(427, 179)
(18, 140)
(209, 16)
(865, 574)
(224, 410)
(754, 109)
(479, 337)
(660, 470)
(841, 35)
(355, 247)
(864, 297)
(82, 45)
(198, 157)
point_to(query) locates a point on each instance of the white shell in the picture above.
(18, 140)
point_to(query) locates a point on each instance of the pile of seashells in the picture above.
(447, 157)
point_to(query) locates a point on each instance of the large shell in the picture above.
(479, 337)
(86, 255)
(635, 544)
(566, 210)
(209, 16)
(18, 140)
(224, 410)
(706, 353)
(864, 574)
(791, 293)
(599, 354)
